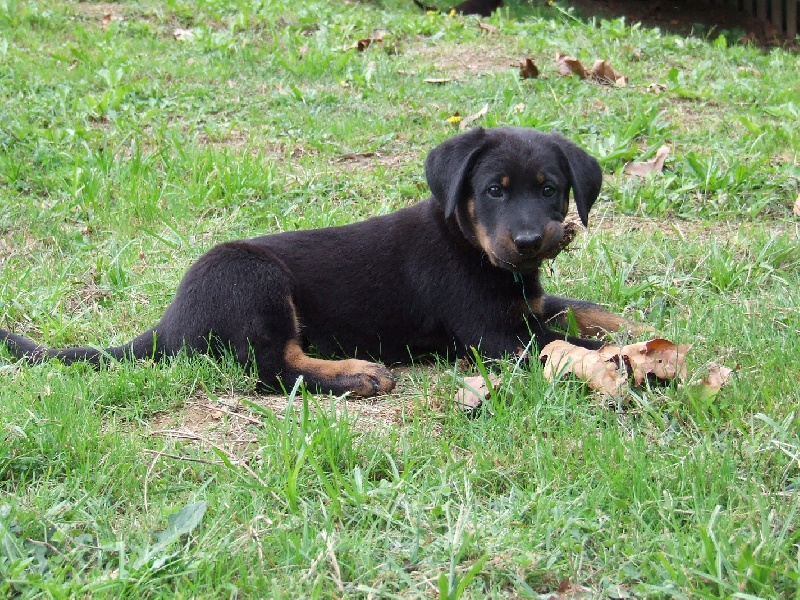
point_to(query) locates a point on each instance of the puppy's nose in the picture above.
(527, 241)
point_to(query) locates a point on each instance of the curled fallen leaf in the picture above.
(603, 72)
(436, 80)
(467, 120)
(600, 372)
(487, 28)
(659, 357)
(796, 207)
(528, 69)
(568, 66)
(607, 370)
(654, 165)
(474, 391)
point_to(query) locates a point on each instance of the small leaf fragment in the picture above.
(364, 43)
(654, 165)
(528, 69)
(568, 66)
(487, 28)
(183, 35)
(708, 387)
(603, 72)
(796, 208)
(467, 120)
(108, 18)
(474, 391)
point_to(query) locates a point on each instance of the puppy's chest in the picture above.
(509, 303)
(523, 307)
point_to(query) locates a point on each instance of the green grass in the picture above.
(125, 153)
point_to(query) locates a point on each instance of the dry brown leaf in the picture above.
(654, 165)
(183, 35)
(108, 17)
(364, 43)
(598, 371)
(606, 370)
(437, 80)
(528, 69)
(475, 391)
(568, 66)
(467, 120)
(604, 73)
(487, 28)
(796, 208)
(658, 357)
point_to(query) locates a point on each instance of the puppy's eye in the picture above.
(548, 191)
(495, 191)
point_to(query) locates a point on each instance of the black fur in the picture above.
(455, 271)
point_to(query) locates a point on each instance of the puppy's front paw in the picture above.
(370, 379)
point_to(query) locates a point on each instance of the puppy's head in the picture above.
(508, 190)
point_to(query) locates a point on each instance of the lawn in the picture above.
(135, 135)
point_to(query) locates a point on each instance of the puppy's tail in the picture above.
(143, 346)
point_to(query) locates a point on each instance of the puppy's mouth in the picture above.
(523, 251)
(517, 264)
(507, 256)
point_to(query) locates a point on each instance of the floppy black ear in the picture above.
(585, 177)
(448, 165)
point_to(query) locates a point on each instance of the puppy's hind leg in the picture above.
(239, 297)
(360, 377)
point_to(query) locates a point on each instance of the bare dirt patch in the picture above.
(230, 423)
(353, 161)
(683, 230)
(454, 61)
(98, 10)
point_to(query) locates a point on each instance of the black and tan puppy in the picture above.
(455, 271)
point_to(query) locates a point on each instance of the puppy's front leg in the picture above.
(592, 319)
